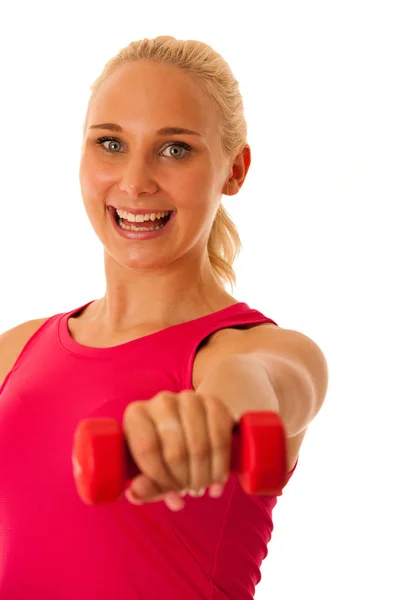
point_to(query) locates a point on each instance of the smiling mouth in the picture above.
(148, 225)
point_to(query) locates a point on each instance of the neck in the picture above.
(158, 297)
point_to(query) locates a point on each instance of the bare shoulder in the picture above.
(13, 341)
(220, 345)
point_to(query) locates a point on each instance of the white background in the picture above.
(318, 217)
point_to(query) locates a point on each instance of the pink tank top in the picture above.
(55, 547)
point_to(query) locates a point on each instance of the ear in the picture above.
(238, 173)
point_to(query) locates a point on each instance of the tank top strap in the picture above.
(237, 315)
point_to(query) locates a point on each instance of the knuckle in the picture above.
(131, 411)
(220, 446)
(164, 398)
(222, 463)
(214, 405)
(175, 455)
(200, 451)
(188, 394)
(146, 447)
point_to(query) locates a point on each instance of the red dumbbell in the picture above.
(103, 465)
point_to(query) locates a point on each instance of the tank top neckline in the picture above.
(72, 346)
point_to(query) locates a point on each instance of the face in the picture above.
(143, 169)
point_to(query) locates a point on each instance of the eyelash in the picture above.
(186, 147)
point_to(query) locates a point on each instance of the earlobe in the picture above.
(227, 189)
(231, 187)
(239, 172)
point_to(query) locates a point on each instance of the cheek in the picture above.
(93, 178)
(198, 220)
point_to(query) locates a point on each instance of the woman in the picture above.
(167, 352)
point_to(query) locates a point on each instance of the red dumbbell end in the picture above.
(99, 442)
(262, 461)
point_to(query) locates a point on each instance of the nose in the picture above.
(136, 178)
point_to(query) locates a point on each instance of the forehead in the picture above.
(143, 94)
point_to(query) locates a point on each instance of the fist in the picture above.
(181, 443)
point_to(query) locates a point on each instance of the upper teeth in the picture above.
(141, 218)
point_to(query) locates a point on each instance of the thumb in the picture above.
(142, 488)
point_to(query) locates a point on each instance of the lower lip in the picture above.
(139, 235)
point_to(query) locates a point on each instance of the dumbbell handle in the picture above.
(103, 465)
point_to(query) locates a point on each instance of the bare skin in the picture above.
(157, 283)
(152, 284)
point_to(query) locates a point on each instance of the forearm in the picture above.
(249, 382)
(242, 383)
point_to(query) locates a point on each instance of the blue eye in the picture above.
(186, 147)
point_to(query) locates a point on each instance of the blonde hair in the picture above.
(218, 82)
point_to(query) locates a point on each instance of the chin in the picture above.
(136, 260)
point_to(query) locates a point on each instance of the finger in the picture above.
(145, 445)
(195, 427)
(220, 424)
(143, 491)
(216, 490)
(166, 415)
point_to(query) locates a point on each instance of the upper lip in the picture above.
(141, 211)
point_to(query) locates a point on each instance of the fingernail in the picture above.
(216, 490)
(196, 494)
(174, 502)
(136, 493)
(129, 496)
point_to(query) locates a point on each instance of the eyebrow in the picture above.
(163, 131)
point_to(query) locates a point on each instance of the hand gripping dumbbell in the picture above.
(103, 465)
